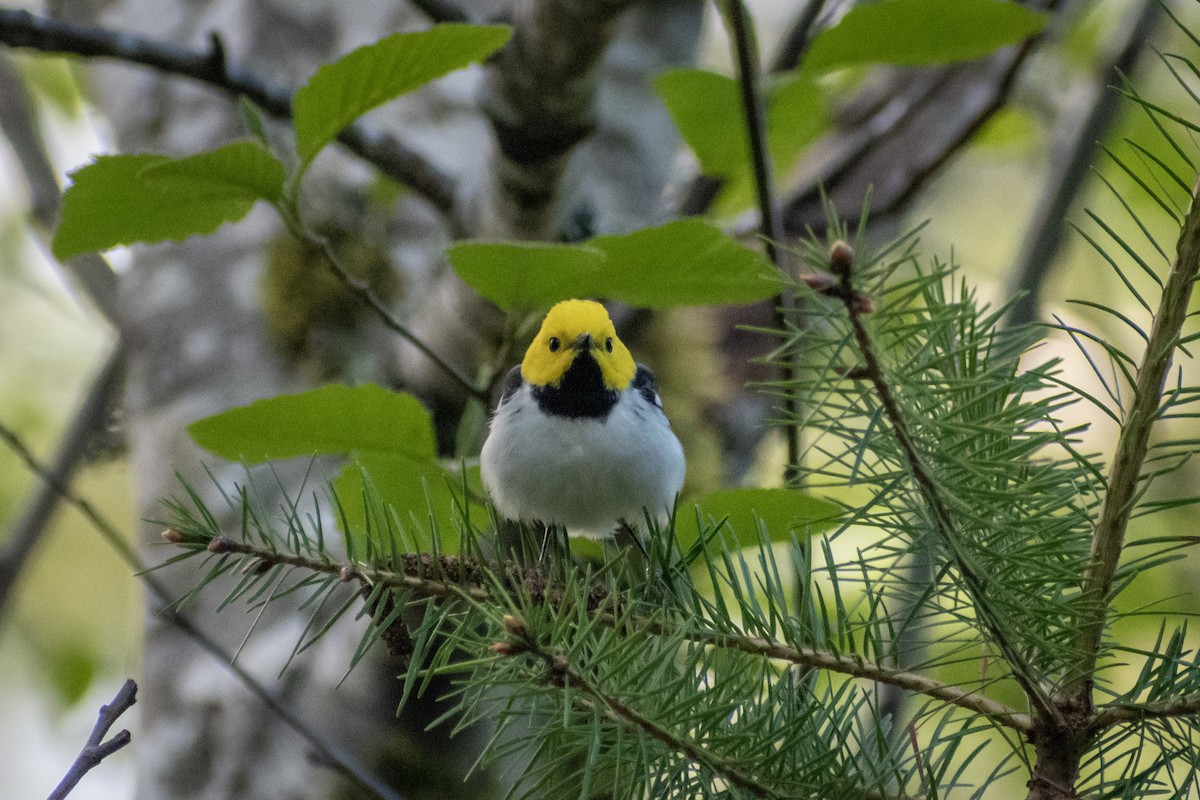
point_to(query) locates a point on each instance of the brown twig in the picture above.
(386, 153)
(1120, 713)
(97, 749)
(841, 264)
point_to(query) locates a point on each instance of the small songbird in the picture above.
(579, 438)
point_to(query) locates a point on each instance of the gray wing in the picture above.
(512, 382)
(645, 382)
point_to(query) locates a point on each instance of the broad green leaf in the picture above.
(781, 511)
(916, 32)
(110, 203)
(688, 262)
(528, 275)
(341, 92)
(707, 109)
(330, 420)
(237, 170)
(685, 262)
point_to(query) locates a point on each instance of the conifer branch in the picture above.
(97, 749)
(21, 29)
(560, 673)
(1125, 474)
(841, 259)
(445, 577)
(1118, 713)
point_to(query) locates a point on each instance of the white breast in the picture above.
(584, 474)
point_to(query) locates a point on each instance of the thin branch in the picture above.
(1108, 537)
(89, 421)
(329, 753)
(794, 46)
(771, 226)
(1070, 169)
(442, 10)
(1118, 713)
(389, 155)
(442, 576)
(96, 749)
(363, 291)
(841, 263)
(19, 122)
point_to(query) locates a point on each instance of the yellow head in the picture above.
(571, 328)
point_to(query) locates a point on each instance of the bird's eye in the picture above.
(608, 344)
(554, 344)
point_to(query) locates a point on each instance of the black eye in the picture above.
(554, 344)
(608, 344)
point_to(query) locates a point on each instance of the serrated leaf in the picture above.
(341, 92)
(330, 420)
(917, 32)
(109, 203)
(237, 170)
(707, 109)
(685, 262)
(781, 511)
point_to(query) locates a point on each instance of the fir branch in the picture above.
(444, 577)
(330, 754)
(841, 259)
(1119, 713)
(21, 29)
(857, 667)
(97, 749)
(1133, 443)
(560, 673)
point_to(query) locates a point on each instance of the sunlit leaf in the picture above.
(781, 511)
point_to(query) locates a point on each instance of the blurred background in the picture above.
(71, 626)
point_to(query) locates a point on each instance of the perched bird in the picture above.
(579, 438)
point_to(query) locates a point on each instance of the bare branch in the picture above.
(19, 122)
(1069, 169)
(388, 154)
(89, 421)
(329, 753)
(96, 749)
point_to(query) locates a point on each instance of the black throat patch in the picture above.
(580, 393)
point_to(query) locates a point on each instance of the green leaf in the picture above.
(341, 92)
(685, 262)
(707, 109)
(527, 275)
(916, 32)
(781, 511)
(330, 420)
(110, 202)
(238, 170)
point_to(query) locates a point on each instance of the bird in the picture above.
(579, 438)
